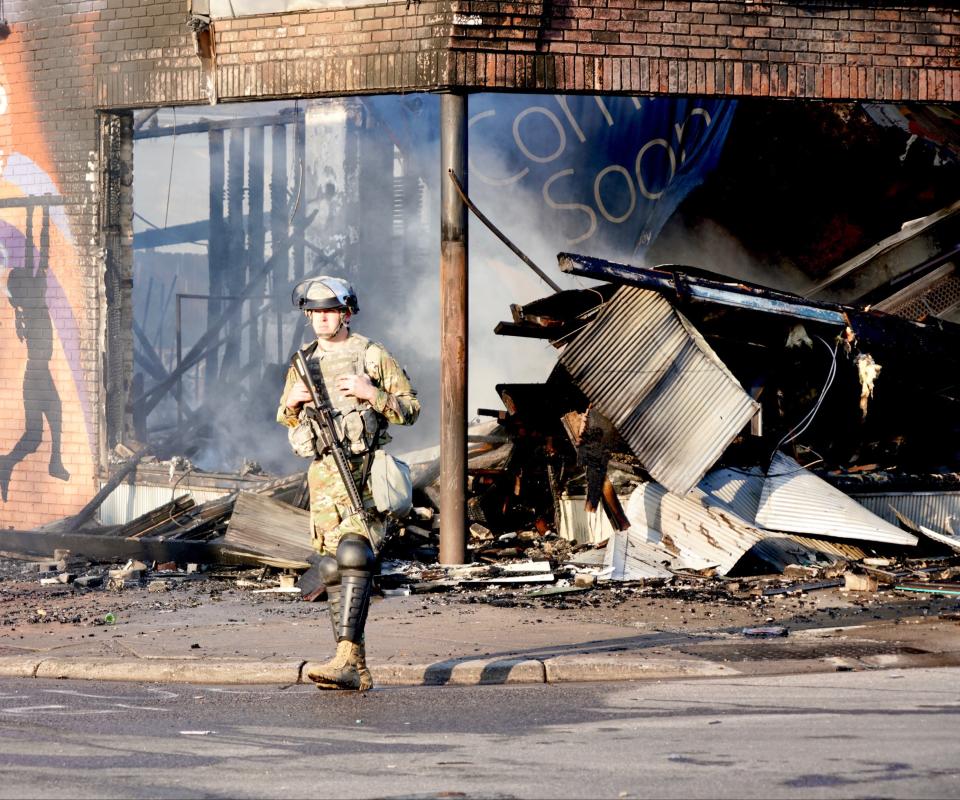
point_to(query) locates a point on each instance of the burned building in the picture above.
(170, 169)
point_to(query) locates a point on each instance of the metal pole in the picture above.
(453, 330)
(179, 358)
(217, 256)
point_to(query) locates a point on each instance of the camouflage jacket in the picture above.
(396, 401)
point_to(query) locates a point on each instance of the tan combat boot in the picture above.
(366, 679)
(342, 671)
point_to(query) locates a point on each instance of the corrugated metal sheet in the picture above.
(797, 501)
(682, 532)
(836, 550)
(646, 369)
(738, 491)
(628, 558)
(129, 501)
(711, 526)
(691, 527)
(950, 541)
(937, 510)
(579, 525)
(781, 549)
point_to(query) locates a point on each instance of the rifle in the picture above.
(328, 441)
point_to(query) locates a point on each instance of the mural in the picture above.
(47, 426)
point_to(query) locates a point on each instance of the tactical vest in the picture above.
(357, 423)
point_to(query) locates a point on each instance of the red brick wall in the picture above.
(814, 49)
(49, 308)
(64, 60)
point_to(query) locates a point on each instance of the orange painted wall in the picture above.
(47, 418)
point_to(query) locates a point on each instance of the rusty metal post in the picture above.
(453, 331)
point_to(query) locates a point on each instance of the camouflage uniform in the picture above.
(396, 402)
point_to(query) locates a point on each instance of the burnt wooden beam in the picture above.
(525, 330)
(87, 512)
(210, 339)
(109, 548)
(286, 117)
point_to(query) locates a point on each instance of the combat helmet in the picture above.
(324, 291)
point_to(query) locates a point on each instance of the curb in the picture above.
(568, 669)
(168, 670)
(476, 672)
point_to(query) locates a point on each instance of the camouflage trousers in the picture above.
(330, 516)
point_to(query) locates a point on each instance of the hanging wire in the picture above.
(173, 149)
(595, 310)
(173, 496)
(805, 423)
(300, 170)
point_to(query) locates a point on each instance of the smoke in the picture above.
(370, 189)
(708, 245)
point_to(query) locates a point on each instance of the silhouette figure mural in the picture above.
(26, 290)
(48, 416)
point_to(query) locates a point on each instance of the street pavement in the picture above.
(415, 642)
(878, 734)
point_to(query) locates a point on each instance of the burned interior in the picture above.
(755, 372)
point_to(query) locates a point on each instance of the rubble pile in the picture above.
(697, 435)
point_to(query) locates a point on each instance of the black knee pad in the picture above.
(354, 553)
(329, 571)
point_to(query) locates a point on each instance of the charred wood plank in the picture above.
(263, 525)
(526, 330)
(206, 520)
(87, 512)
(108, 548)
(684, 286)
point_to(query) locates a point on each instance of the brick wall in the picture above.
(63, 62)
(49, 311)
(813, 49)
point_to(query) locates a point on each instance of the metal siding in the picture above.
(782, 549)
(656, 379)
(736, 491)
(627, 558)
(937, 510)
(579, 525)
(127, 502)
(950, 541)
(690, 532)
(797, 501)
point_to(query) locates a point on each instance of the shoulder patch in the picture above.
(371, 359)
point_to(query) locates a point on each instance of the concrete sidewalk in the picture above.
(414, 642)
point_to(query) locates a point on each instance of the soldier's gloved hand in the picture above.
(297, 396)
(359, 386)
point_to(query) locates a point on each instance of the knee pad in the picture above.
(355, 553)
(329, 571)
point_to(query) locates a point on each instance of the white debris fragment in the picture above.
(798, 336)
(867, 370)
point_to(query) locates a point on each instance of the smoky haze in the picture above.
(214, 188)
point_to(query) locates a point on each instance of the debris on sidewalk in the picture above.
(766, 632)
(698, 437)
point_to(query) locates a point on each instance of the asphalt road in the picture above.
(855, 734)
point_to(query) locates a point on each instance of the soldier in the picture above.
(367, 389)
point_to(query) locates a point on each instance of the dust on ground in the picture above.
(677, 607)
